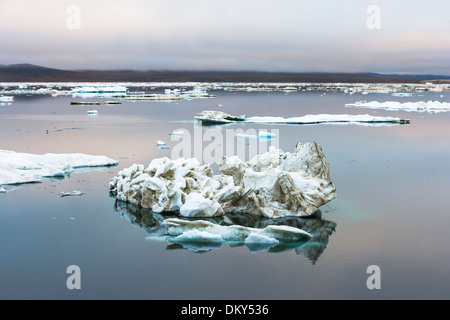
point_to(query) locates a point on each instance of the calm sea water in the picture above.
(392, 208)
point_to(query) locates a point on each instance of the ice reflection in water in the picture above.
(320, 229)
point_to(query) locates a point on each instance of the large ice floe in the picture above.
(420, 106)
(219, 117)
(18, 168)
(235, 230)
(273, 184)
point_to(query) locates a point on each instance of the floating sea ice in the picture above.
(92, 112)
(198, 236)
(261, 135)
(160, 143)
(72, 193)
(16, 168)
(2, 190)
(237, 233)
(403, 94)
(265, 134)
(419, 106)
(178, 133)
(6, 98)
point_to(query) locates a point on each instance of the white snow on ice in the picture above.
(16, 168)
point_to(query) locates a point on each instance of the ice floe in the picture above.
(71, 194)
(274, 184)
(208, 230)
(328, 118)
(17, 168)
(219, 117)
(6, 98)
(94, 103)
(319, 229)
(420, 106)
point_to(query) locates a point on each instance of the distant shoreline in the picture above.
(33, 73)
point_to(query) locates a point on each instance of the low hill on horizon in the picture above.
(33, 73)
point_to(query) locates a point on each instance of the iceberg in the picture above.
(18, 168)
(273, 185)
(2, 190)
(420, 106)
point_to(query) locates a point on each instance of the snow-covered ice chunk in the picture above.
(6, 98)
(72, 193)
(2, 190)
(92, 112)
(16, 168)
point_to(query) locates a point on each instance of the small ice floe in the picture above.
(263, 135)
(161, 145)
(93, 103)
(2, 190)
(419, 106)
(6, 98)
(266, 135)
(71, 194)
(179, 133)
(218, 117)
(403, 94)
(106, 89)
(92, 112)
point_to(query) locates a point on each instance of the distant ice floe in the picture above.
(219, 117)
(6, 98)
(254, 187)
(18, 168)
(262, 134)
(420, 106)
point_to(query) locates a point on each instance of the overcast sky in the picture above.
(408, 36)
